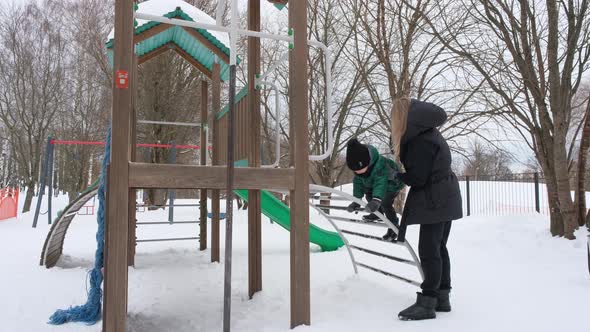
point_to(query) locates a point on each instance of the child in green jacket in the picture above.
(375, 178)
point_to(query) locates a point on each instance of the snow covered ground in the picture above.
(508, 275)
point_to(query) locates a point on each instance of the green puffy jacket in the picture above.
(381, 180)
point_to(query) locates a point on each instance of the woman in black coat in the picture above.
(434, 199)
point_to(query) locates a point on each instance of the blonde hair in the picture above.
(399, 121)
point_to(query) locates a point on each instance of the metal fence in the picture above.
(508, 194)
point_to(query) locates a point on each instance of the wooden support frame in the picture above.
(133, 155)
(143, 175)
(203, 197)
(151, 32)
(172, 46)
(155, 53)
(192, 61)
(215, 193)
(254, 198)
(126, 175)
(300, 275)
(219, 53)
(116, 238)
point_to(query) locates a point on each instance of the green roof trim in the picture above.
(239, 96)
(178, 13)
(183, 40)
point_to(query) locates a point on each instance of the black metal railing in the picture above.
(506, 194)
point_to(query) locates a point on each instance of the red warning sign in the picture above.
(122, 79)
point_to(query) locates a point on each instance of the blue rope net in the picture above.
(90, 312)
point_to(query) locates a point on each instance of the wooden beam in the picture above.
(281, 2)
(300, 283)
(215, 195)
(116, 239)
(209, 45)
(143, 175)
(192, 61)
(156, 52)
(151, 32)
(253, 149)
(133, 156)
(204, 143)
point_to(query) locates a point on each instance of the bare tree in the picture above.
(486, 160)
(532, 56)
(31, 82)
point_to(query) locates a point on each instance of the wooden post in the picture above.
(133, 192)
(300, 283)
(116, 239)
(254, 210)
(216, 107)
(203, 200)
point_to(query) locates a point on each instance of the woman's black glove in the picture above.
(373, 205)
(353, 207)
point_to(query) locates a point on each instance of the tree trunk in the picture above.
(556, 221)
(580, 195)
(29, 196)
(566, 205)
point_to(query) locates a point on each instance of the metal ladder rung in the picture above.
(372, 237)
(167, 222)
(389, 274)
(331, 207)
(171, 239)
(393, 258)
(360, 222)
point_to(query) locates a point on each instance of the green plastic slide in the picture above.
(278, 212)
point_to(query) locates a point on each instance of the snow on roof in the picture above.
(162, 7)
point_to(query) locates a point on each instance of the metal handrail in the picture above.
(344, 239)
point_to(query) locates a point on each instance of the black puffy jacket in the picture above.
(434, 195)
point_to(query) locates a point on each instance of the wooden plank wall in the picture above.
(242, 134)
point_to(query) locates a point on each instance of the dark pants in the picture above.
(434, 256)
(386, 206)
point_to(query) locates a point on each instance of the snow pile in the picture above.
(508, 275)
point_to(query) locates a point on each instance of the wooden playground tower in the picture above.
(125, 175)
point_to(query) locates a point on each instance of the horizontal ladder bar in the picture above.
(167, 222)
(372, 237)
(393, 258)
(331, 207)
(332, 198)
(360, 222)
(144, 175)
(170, 239)
(168, 123)
(167, 205)
(389, 274)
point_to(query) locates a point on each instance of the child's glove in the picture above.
(373, 205)
(353, 207)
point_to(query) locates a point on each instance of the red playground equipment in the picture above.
(8, 203)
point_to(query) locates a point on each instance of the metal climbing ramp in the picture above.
(340, 196)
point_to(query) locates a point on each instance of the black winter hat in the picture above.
(357, 155)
